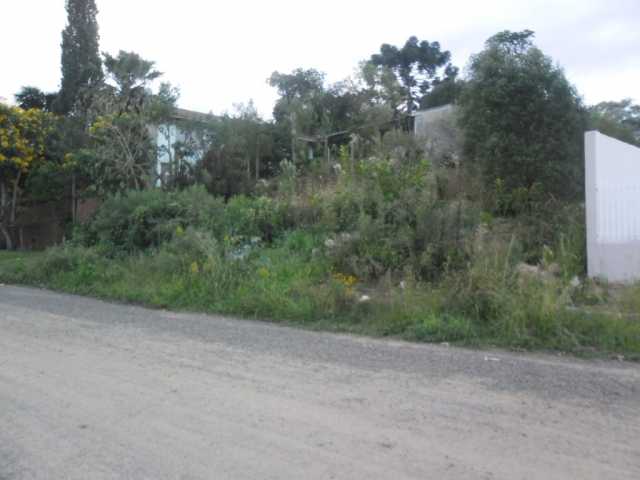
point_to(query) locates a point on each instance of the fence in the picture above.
(613, 208)
(618, 211)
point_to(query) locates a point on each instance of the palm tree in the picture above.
(32, 97)
(131, 74)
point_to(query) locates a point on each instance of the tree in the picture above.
(47, 182)
(80, 60)
(120, 153)
(303, 86)
(32, 97)
(131, 74)
(418, 66)
(379, 96)
(239, 146)
(300, 107)
(522, 120)
(22, 145)
(620, 120)
(444, 93)
(250, 137)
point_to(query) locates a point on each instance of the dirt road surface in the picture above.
(92, 390)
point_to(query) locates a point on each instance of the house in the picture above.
(181, 130)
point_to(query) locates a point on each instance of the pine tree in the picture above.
(80, 63)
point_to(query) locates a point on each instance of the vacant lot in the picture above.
(94, 390)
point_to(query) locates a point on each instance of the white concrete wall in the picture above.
(425, 120)
(612, 185)
(428, 124)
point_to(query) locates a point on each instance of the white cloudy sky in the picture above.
(221, 52)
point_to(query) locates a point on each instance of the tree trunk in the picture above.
(3, 226)
(352, 157)
(292, 117)
(7, 236)
(257, 161)
(74, 204)
(327, 155)
(7, 224)
(14, 200)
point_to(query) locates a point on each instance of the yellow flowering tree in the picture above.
(22, 144)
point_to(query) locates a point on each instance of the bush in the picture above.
(523, 121)
(138, 220)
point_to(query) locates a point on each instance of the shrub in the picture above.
(523, 121)
(137, 220)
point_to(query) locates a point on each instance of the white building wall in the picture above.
(612, 185)
(428, 125)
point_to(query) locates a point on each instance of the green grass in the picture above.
(287, 284)
(8, 259)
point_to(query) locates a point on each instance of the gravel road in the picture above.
(93, 390)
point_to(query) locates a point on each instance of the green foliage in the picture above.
(32, 97)
(446, 92)
(619, 120)
(301, 104)
(519, 200)
(378, 241)
(23, 134)
(122, 153)
(118, 154)
(523, 121)
(417, 65)
(293, 282)
(139, 220)
(131, 74)
(80, 62)
(303, 84)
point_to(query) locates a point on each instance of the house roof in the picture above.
(193, 115)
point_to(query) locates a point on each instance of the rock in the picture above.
(575, 282)
(554, 269)
(527, 270)
(329, 243)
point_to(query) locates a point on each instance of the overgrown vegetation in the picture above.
(374, 233)
(394, 248)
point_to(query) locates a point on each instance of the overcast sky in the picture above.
(221, 52)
